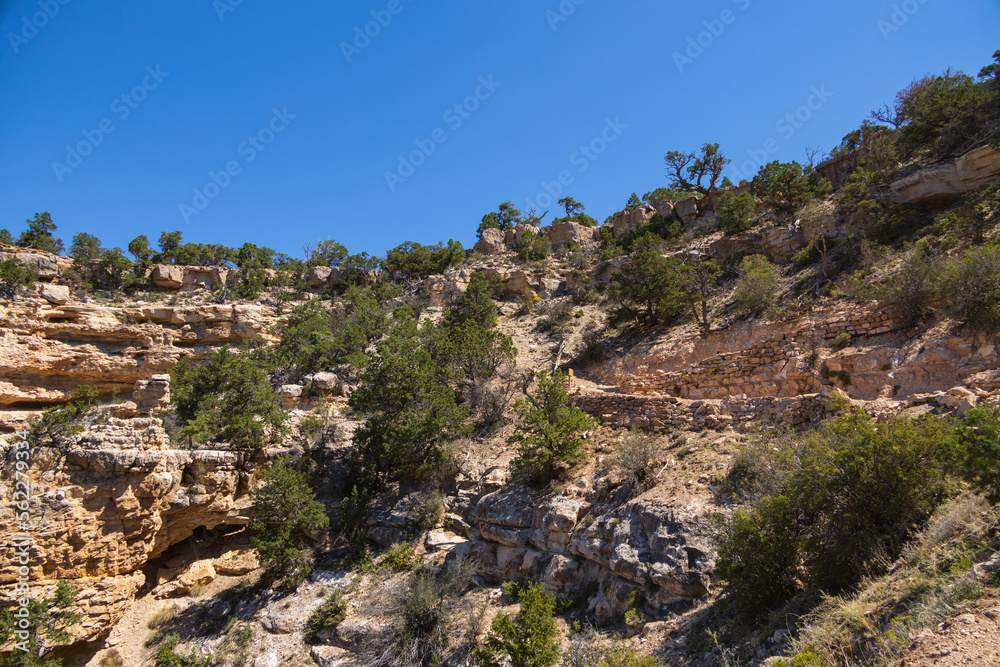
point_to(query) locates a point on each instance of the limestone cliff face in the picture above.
(47, 350)
(101, 510)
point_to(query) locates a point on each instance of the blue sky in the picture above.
(287, 118)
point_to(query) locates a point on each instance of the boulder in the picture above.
(319, 276)
(237, 562)
(519, 283)
(561, 233)
(491, 243)
(166, 276)
(626, 221)
(943, 184)
(687, 210)
(57, 294)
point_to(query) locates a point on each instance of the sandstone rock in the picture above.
(199, 573)
(333, 656)
(561, 233)
(968, 403)
(561, 575)
(237, 562)
(284, 618)
(46, 265)
(687, 210)
(942, 184)
(57, 294)
(167, 276)
(626, 221)
(319, 276)
(435, 286)
(491, 243)
(519, 283)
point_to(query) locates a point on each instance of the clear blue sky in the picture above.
(225, 67)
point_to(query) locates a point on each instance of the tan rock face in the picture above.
(943, 184)
(491, 243)
(47, 350)
(113, 501)
(47, 265)
(626, 221)
(561, 233)
(169, 276)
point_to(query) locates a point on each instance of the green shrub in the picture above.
(228, 398)
(557, 318)
(401, 557)
(593, 351)
(412, 415)
(284, 518)
(757, 285)
(946, 115)
(736, 211)
(57, 425)
(786, 186)
(975, 450)
(526, 640)
(327, 616)
(914, 287)
(648, 289)
(14, 279)
(414, 261)
(759, 555)
(532, 246)
(973, 285)
(548, 436)
(854, 491)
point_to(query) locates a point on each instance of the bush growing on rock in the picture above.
(284, 518)
(411, 414)
(14, 278)
(227, 399)
(57, 425)
(786, 186)
(646, 290)
(914, 287)
(412, 260)
(526, 640)
(47, 623)
(421, 614)
(756, 286)
(533, 247)
(946, 115)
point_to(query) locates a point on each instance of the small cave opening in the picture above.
(203, 543)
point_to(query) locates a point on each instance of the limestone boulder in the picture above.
(237, 562)
(520, 282)
(46, 265)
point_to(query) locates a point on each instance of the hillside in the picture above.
(743, 426)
